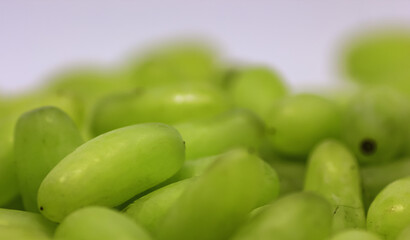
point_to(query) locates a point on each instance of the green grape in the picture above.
(195, 167)
(211, 136)
(99, 223)
(166, 104)
(376, 177)
(183, 62)
(257, 89)
(8, 179)
(297, 123)
(297, 216)
(379, 57)
(405, 234)
(374, 125)
(42, 138)
(333, 172)
(356, 234)
(112, 168)
(151, 209)
(389, 213)
(218, 201)
(22, 225)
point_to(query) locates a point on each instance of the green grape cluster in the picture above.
(176, 145)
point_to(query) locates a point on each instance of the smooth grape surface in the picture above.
(333, 173)
(256, 89)
(166, 104)
(99, 223)
(21, 225)
(112, 168)
(297, 216)
(297, 123)
(43, 137)
(211, 136)
(218, 201)
(356, 234)
(389, 213)
(150, 210)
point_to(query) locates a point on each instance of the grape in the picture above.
(220, 199)
(405, 234)
(297, 216)
(184, 62)
(206, 137)
(99, 223)
(256, 88)
(151, 209)
(356, 234)
(374, 125)
(376, 177)
(331, 168)
(389, 213)
(8, 178)
(112, 168)
(297, 123)
(22, 225)
(167, 104)
(42, 138)
(379, 57)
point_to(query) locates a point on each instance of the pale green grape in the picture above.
(99, 223)
(257, 89)
(297, 216)
(389, 213)
(374, 125)
(380, 57)
(297, 123)
(112, 168)
(356, 234)
(42, 138)
(166, 104)
(181, 62)
(333, 173)
(218, 201)
(150, 210)
(22, 225)
(211, 136)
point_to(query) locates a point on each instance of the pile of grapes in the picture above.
(177, 145)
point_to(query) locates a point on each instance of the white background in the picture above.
(298, 38)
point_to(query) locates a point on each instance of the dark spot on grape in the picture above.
(41, 208)
(368, 146)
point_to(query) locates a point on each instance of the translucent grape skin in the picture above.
(333, 173)
(99, 223)
(21, 225)
(374, 125)
(166, 104)
(296, 216)
(42, 138)
(389, 213)
(150, 210)
(257, 89)
(215, 135)
(218, 201)
(112, 168)
(297, 123)
(356, 234)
